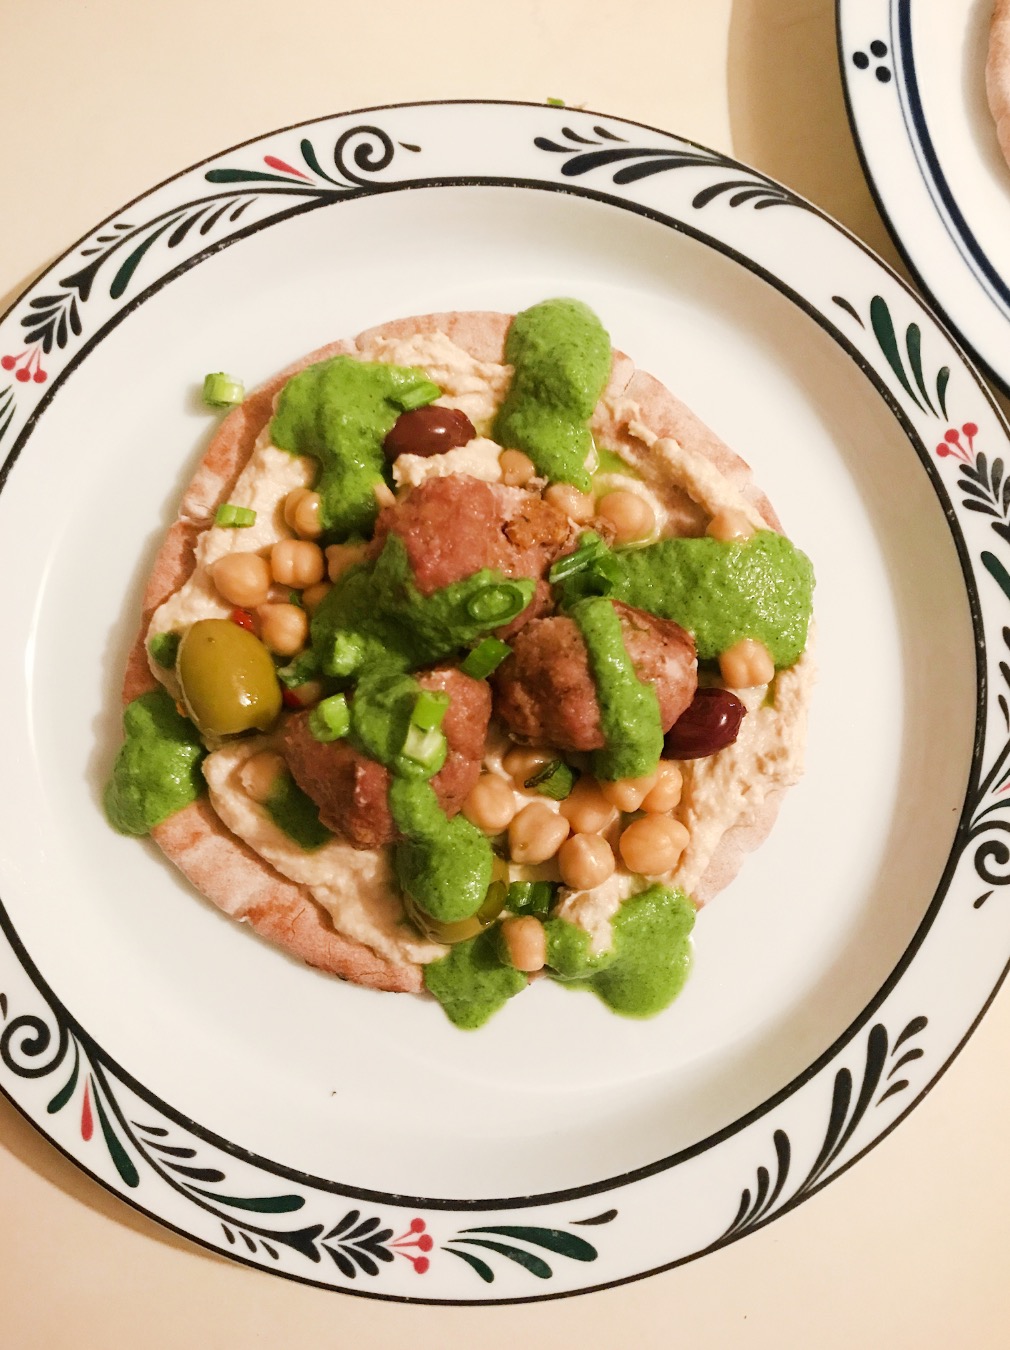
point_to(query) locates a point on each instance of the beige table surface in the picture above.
(100, 99)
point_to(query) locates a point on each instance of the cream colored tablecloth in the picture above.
(100, 99)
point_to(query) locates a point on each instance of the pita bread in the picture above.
(997, 73)
(227, 871)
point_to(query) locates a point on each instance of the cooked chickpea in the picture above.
(627, 794)
(746, 664)
(516, 468)
(297, 562)
(652, 845)
(242, 579)
(384, 494)
(586, 809)
(578, 506)
(536, 833)
(284, 628)
(730, 526)
(666, 794)
(302, 513)
(526, 942)
(313, 596)
(523, 761)
(339, 557)
(630, 515)
(584, 860)
(260, 772)
(491, 804)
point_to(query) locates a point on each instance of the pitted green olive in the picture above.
(494, 903)
(227, 678)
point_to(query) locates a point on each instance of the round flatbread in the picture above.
(997, 73)
(675, 455)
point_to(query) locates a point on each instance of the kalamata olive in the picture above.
(428, 431)
(710, 722)
(227, 678)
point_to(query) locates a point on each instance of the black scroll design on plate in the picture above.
(989, 828)
(605, 149)
(883, 1077)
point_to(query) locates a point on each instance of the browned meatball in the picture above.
(455, 526)
(352, 791)
(544, 691)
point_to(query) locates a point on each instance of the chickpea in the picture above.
(525, 941)
(339, 557)
(260, 772)
(652, 845)
(523, 761)
(627, 794)
(746, 664)
(577, 506)
(730, 526)
(284, 628)
(630, 515)
(666, 794)
(585, 860)
(516, 468)
(536, 833)
(586, 809)
(242, 579)
(296, 562)
(301, 513)
(491, 804)
(313, 596)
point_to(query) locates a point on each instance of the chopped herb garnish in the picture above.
(222, 391)
(330, 720)
(423, 747)
(556, 779)
(302, 669)
(497, 604)
(485, 658)
(235, 517)
(531, 897)
(164, 648)
(429, 710)
(555, 103)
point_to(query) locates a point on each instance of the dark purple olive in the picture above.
(428, 431)
(709, 723)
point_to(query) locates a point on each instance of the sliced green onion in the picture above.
(496, 604)
(164, 648)
(238, 517)
(330, 720)
(346, 654)
(423, 747)
(302, 669)
(429, 710)
(222, 391)
(486, 657)
(531, 897)
(555, 103)
(556, 780)
(419, 397)
(591, 546)
(295, 598)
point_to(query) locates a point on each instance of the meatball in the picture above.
(545, 691)
(352, 791)
(455, 526)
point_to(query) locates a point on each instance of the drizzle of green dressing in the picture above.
(609, 461)
(445, 865)
(340, 411)
(294, 812)
(721, 592)
(471, 983)
(561, 357)
(629, 708)
(157, 770)
(377, 612)
(647, 963)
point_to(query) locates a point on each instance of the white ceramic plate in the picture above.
(914, 78)
(354, 1139)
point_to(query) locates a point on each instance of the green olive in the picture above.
(494, 903)
(228, 679)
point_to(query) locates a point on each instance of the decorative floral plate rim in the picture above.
(167, 1165)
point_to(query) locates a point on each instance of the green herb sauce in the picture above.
(444, 865)
(721, 592)
(629, 708)
(648, 962)
(340, 411)
(609, 461)
(294, 812)
(375, 613)
(561, 357)
(471, 983)
(157, 770)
